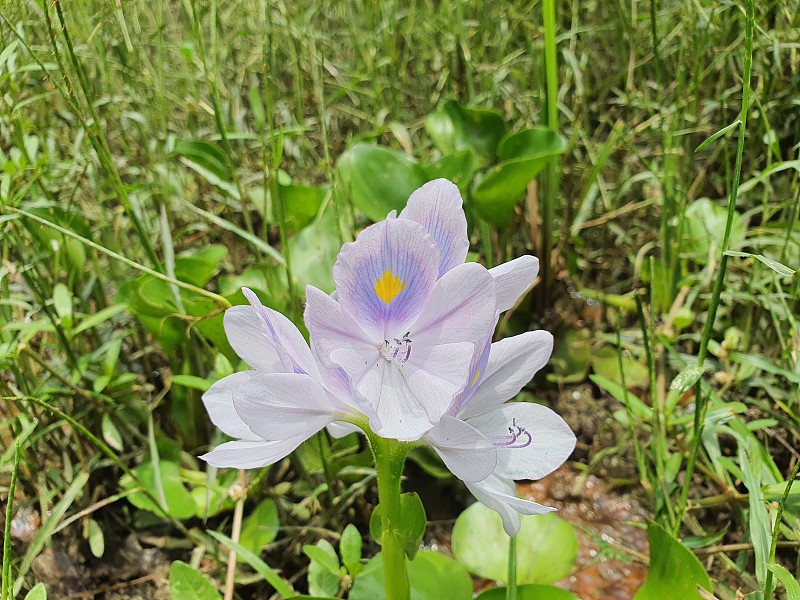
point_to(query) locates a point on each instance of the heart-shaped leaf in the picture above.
(455, 128)
(546, 546)
(378, 180)
(523, 155)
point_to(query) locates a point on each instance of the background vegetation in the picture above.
(156, 156)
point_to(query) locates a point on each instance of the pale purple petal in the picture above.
(436, 375)
(332, 329)
(437, 206)
(400, 413)
(464, 450)
(250, 454)
(512, 363)
(384, 278)
(513, 279)
(477, 370)
(501, 496)
(266, 340)
(278, 406)
(461, 308)
(532, 440)
(218, 401)
(340, 429)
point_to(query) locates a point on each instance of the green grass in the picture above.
(134, 136)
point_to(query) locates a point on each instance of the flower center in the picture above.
(397, 350)
(518, 437)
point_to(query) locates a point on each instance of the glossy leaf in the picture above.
(323, 571)
(432, 576)
(523, 155)
(546, 546)
(378, 180)
(180, 503)
(455, 128)
(674, 572)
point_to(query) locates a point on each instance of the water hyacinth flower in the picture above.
(402, 348)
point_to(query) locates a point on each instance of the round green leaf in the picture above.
(350, 549)
(605, 363)
(96, 539)
(412, 520)
(432, 576)
(180, 503)
(379, 180)
(38, 592)
(523, 154)
(546, 546)
(455, 128)
(529, 592)
(674, 571)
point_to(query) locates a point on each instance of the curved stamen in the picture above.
(518, 437)
(397, 350)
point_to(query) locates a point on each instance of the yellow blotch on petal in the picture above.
(389, 286)
(475, 379)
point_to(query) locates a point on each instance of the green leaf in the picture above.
(432, 576)
(111, 434)
(301, 203)
(718, 135)
(788, 581)
(350, 549)
(268, 573)
(62, 302)
(529, 592)
(261, 526)
(546, 546)
(682, 383)
(458, 168)
(705, 225)
(455, 128)
(523, 154)
(96, 539)
(776, 266)
(605, 363)
(37, 592)
(192, 381)
(187, 584)
(313, 253)
(180, 503)
(378, 180)
(412, 519)
(199, 267)
(675, 573)
(323, 572)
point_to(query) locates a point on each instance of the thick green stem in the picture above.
(389, 458)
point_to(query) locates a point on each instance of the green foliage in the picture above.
(528, 592)
(261, 526)
(432, 576)
(675, 573)
(323, 571)
(37, 592)
(705, 224)
(378, 180)
(185, 583)
(412, 520)
(546, 546)
(456, 129)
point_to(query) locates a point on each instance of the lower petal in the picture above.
(501, 496)
(250, 454)
(278, 406)
(464, 450)
(398, 412)
(218, 401)
(546, 443)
